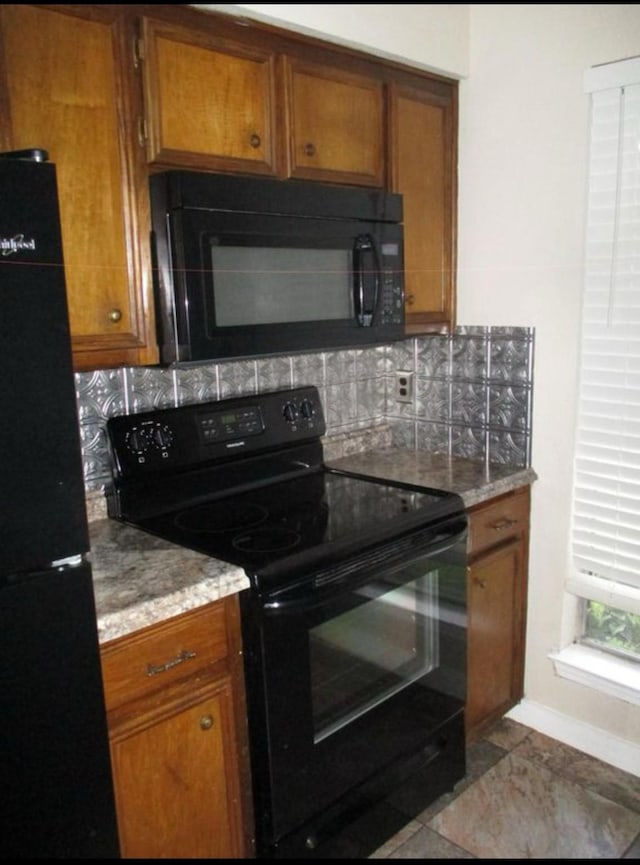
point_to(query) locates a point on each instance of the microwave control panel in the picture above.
(391, 308)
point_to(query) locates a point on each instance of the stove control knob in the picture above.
(162, 437)
(290, 412)
(307, 409)
(137, 441)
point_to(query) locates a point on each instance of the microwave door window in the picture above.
(277, 285)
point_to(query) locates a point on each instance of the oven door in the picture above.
(355, 676)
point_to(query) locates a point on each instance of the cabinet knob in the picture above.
(206, 722)
(309, 149)
(255, 141)
(481, 583)
(115, 315)
(409, 300)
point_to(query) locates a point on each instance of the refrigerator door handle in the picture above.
(68, 561)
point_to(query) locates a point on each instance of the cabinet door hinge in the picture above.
(138, 51)
(142, 131)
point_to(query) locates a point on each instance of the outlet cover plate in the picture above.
(404, 386)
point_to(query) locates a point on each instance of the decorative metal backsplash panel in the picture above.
(472, 395)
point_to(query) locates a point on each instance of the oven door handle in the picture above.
(311, 595)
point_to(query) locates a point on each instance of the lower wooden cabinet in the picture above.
(496, 595)
(175, 708)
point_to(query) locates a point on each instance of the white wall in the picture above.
(433, 37)
(522, 193)
(522, 176)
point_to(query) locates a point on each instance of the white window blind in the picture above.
(606, 515)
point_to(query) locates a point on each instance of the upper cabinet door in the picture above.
(336, 126)
(65, 88)
(210, 103)
(423, 141)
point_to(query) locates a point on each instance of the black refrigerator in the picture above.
(55, 773)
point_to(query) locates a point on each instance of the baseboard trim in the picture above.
(604, 746)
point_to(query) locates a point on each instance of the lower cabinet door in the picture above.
(494, 635)
(176, 794)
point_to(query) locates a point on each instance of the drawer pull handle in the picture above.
(206, 722)
(309, 149)
(481, 583)
(153, 670)
(503, 524)
(255, 141)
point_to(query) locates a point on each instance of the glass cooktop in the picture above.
(317, 513)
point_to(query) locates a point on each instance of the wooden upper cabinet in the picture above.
(214, 103)
(336, 124)
(113, 92)
(64, 74)
(423, 145)
(209, 103)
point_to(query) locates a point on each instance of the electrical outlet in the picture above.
(404, 386)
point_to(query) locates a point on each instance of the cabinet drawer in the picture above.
(187, 645)
(498, 521)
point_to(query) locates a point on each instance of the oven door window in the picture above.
(363, 656)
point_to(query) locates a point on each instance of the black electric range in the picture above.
(354, 623)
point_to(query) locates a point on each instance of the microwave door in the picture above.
(366, 279)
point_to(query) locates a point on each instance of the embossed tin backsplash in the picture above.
(472, 393)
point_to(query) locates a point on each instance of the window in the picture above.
(606, 517)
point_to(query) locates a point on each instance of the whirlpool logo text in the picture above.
(18, 243)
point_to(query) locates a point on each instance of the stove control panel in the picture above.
(229, 424)
(198, 434)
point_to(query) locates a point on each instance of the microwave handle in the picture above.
(366, 279)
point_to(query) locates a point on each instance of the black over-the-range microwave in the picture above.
(249, 266)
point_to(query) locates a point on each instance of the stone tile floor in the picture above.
(526, 796)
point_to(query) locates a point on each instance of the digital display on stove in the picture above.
(223, 426)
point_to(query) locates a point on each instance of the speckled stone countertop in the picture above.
(140, 579)
(474, 480)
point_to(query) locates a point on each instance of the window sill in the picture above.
(598, 670)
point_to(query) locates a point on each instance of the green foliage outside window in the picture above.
(613, 629)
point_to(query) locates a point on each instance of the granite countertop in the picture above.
(474, 480)
(140, 579)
